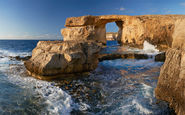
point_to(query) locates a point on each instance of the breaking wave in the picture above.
(149, 48)
(54, 99)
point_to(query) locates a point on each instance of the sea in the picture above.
(116, 87)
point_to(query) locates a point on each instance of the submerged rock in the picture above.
(59, 57)
(103, 57)
(19, 58)
(160, 57)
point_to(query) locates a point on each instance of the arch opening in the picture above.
(113, 32)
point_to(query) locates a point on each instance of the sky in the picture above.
(43, 19)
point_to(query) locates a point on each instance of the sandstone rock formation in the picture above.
(171, 83)
(84, 35)
(59, 57)
(157, 29)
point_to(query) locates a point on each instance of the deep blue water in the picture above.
(122, 86)
(18, 45)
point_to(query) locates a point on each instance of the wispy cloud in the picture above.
(41, 36)
(122, 9)
(182, 4)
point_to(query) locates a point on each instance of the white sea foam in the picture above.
(58, 102)
(83, 106)
(141, 109)
(149, 48)
(147, 90)
(8, 53)
(4, 60)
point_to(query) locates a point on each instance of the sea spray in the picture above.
(50, 97)
(122, 86)
(149, 48)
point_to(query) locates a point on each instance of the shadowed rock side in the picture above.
(157, 29)
(171, 83)
(58, 57)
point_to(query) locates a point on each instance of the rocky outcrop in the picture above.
(165, 31)
(171, 83)
(58, 57)
(157, 29)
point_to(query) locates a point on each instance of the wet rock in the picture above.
(19, 58)
(103, 57)
(160, 57)
(22, 58)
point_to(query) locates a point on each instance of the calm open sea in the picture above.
(121, 86)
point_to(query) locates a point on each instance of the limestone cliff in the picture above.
(157, 29)
(171, 83)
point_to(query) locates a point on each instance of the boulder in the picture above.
(51, 58)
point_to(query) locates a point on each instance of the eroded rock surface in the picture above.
(157, 29)
(59, 57)
(171, 83)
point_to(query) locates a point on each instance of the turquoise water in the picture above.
(115, 87)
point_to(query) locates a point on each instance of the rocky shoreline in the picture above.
(85, 36)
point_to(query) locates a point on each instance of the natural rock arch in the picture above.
(89, 28)
(157, 29)
(84, 35)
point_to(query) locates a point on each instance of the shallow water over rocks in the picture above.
(120, 86)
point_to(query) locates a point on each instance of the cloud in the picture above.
(122, 9)
(182, 4)
(37, 37)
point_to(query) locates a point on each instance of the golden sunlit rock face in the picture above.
(84, 35)
(171, 81)
(59, 57)
(157, 29)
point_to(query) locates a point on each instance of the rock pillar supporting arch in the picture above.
(120, 26)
